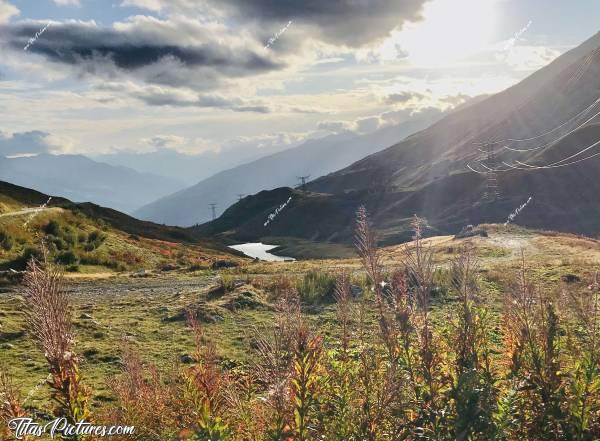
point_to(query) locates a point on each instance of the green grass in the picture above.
(131, 311)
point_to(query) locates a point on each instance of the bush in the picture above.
(52, 228)
(59, 243)
(67, 258)
(227, 282)
(6, 242)
(20, 263)
(316, 287)
(94, 241)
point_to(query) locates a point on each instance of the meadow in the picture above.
(482, 338)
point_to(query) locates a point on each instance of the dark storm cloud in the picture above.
(136, 48)
(33, 142)
(350, 22)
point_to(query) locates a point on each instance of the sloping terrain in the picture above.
(81, 179)
(313, 158)
(427, 173)
(149, 312)
(89, 238)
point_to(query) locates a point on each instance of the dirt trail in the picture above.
(28, 211)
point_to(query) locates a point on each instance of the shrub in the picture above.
(6, 242)
(227, 282)
(67, 258)
(94, 241)
(20, 263)
(316, 287)
(52, 228)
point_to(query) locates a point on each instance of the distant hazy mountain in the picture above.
(314, 158)
(81, 179)
(183, 167)
(427, 173)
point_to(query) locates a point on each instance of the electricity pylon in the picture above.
(490, 163)
(302, 180)
(213, 208)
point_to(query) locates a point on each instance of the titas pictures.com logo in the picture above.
(60, 427)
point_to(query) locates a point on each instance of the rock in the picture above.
(186, 359)
(85, 316)
(356, 291)
(471, 231)
(570, 278)
(7, 346)
(219, 264)
(9, 336)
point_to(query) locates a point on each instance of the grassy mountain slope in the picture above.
(89, 238)
(426, 174)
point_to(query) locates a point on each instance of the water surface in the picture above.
(260, 251)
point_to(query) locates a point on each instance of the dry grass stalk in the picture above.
(49, 321)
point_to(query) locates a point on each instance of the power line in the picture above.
(560, 138)
(574, 118)
(531, 167)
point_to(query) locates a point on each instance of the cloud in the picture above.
(150, 5)
(67, 2)
(164, 141)
(339, 22)
(336, 126)
(7, 11)
(455, 100)
(369, 124)
(400, 116)
(403, 97)
(528, 58)
(174, 51)
(181, 97)
(33, 142)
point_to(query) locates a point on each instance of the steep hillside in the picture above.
(89, 238)
(81, 179)
(314, 158)
(427, 173)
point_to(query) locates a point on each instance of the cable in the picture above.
(584, 111)
(574, 118)
(531, 168)
(570, 157)
(560, 138)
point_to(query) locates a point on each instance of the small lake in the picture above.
(260, 251)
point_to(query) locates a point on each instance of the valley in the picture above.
(382, 225)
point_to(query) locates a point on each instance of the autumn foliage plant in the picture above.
(404, 364)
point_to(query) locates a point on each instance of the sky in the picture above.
(102, 76)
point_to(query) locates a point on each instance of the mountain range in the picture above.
(538, 122)
(312, 158)
(82, 179)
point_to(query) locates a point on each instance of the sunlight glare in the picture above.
(451, 31)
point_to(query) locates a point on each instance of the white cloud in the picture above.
(67, 2)
(7, 11)
(529, 58)
(150, 5)
(336, 126)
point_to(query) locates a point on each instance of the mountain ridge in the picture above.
(426, 174)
